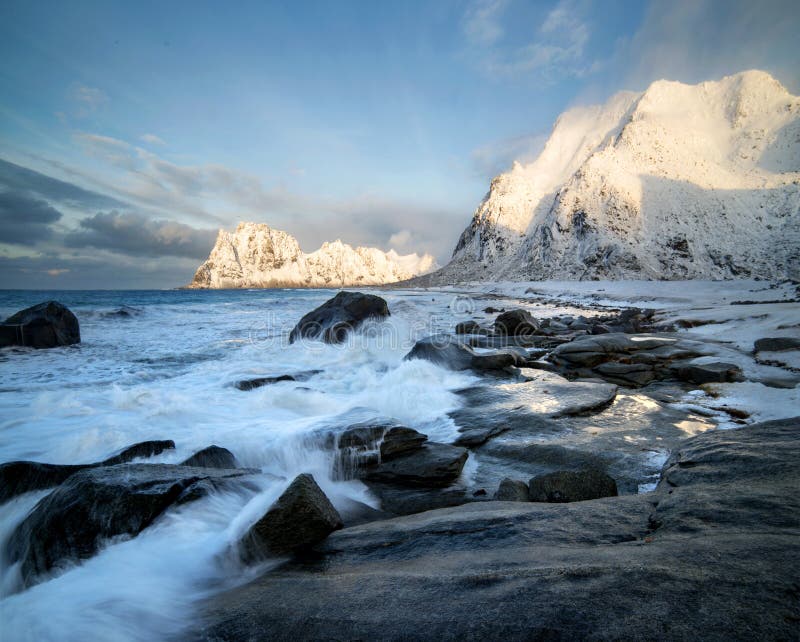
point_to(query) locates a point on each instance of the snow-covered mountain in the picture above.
(257, 256)
(681, 181)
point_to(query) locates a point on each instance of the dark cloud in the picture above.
(101, 271)
(25, 219)
(137, 235)
(21, 179)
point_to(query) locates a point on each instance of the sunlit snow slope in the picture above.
(681, 181)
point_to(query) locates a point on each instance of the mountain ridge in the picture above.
(258, 256)
(679, 181)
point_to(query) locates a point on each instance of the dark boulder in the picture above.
(716, 372)
(516, 323)
(468, 327)
(400, 441)
(45, 325)
(301, 517)
(776, 344)
(258, 382)
(431, 465)
(445, 351)
(18, 477)
(512, 490)
(96, 504)
(212, 457)
(569, 486)
(334, 319)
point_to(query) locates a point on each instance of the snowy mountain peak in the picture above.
(680, 181)
(258, 256)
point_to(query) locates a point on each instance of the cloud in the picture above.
(152, 139)
(498, 156)
(400, 240)
(25, 219)
(481, 21)
(556, 50)
(137, 235)
(87, 100)
(17, 178)
(696, 40)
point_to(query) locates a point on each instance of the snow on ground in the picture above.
(730, 314)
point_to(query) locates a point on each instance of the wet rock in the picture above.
(445, 351)
(724, 534)
(569, 486)
(212, 457)
(776, 344)
(302, 516)
(45, 325)
(96, 504)
(408, 500)
(431, 465)
(716, 372)
(626, 374)
(333, 320)
(516, 323)
(400, 441)
(258, 382)
(512, 490)
(18, 477)
(468, 327)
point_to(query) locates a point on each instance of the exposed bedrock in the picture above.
(713, 553)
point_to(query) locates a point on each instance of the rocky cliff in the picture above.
(257, 256)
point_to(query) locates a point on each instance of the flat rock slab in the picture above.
(491, 410)
(706, 560)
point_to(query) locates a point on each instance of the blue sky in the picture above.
(130, 132)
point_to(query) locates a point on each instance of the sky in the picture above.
(131, 132)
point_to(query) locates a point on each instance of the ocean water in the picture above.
(161, 365)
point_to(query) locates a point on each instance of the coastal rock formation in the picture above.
(678, 182)
(45, 325)
(711, 553)
(257, 256)
(333, 320)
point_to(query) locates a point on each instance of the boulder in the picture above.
(333, 320)
(516, 323)
(302, 516)
(400, 441)
(447, 352)
(776, 344)
(96, 504)
(468, 327)
(715, 372)
(430, 465)
(212, 457)
(18, 477)
(512, 490)
(568, 486)
(45, 325)
(258, 382)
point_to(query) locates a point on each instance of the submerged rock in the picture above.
(96, 504)
(302, 516)
(212, 457)
(18, 477)
(569, 486)
(45, 325)
(334, 319)
(258, 382)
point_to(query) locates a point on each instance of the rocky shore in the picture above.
(585, 495)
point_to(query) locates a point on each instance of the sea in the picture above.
(163, 365)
